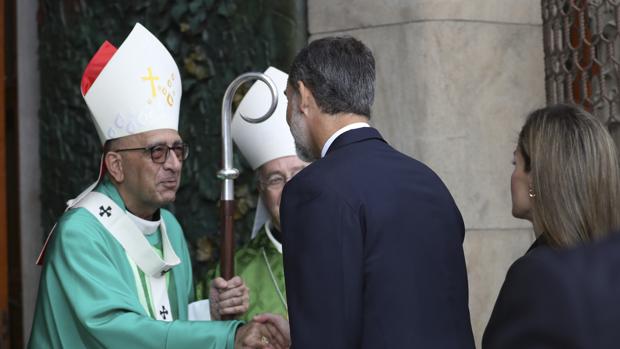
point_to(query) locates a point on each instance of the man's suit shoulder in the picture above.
(311, 183)
(354, 171)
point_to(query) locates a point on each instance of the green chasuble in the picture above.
(260, 265)
(88, 296)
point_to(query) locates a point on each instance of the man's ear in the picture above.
(114, 164)
(306, 98)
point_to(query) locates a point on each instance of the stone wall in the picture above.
(455, 80)
(29, 167)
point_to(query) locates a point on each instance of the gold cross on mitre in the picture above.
(151, 78)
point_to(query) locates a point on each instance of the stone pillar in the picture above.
(29, 169)
(455, 80)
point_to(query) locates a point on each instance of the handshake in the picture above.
(230, 298)
(264, 331)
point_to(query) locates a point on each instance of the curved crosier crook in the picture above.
(228, 173)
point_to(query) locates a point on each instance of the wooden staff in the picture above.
(228, 173)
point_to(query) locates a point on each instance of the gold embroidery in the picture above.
(151, 78)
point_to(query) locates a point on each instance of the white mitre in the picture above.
(265, 141)
(133, 89)
(138, 90)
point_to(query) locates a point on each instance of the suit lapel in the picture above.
(354, 136)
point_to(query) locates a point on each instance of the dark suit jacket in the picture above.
(373, 252)
(564, 299)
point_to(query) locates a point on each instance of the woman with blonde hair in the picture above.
(566, 181)
(570, 163)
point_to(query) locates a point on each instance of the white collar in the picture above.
(145, 226)
(333, 137)
(273, 240)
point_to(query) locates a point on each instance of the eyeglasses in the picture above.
(277, 181)
(159, 152)
(274, 182)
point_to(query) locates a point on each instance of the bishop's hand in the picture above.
(230, 297)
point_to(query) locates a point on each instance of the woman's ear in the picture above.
(114, 164)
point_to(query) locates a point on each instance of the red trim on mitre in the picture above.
(96, 65)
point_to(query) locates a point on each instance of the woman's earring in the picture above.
(531, 193)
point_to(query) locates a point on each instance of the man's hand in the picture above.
(230, 297)
(259, 335)
(278, 328)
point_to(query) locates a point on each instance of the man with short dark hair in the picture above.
(373, 253)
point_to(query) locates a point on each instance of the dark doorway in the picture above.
(10, 271)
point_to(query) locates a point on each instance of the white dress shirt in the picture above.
(333, 137)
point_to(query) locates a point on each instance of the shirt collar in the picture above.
(333, 137)
(146, 227)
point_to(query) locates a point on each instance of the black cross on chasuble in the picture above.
(107, 210)
(163, 312)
